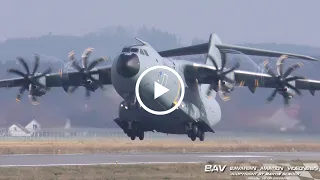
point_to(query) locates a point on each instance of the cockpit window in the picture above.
(126, 50)
(145, 52)
(134, 50)
(141, 52)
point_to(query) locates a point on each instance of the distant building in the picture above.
(18, 130)
(33, 126)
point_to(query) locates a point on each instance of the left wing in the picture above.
(75, 78)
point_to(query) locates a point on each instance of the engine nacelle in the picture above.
(290, 92)
(227, 87)
(39, 91)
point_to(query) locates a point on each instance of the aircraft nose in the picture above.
(128, 65)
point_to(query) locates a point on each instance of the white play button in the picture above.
(159, 90)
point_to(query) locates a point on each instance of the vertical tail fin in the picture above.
(214, 52)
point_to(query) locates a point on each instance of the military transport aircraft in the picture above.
(196, 113)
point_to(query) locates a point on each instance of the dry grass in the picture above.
(109, 145)
(132, 172)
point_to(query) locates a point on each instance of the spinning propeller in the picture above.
(30, 80)
(221, 82)
(282, 80)
(85, 70)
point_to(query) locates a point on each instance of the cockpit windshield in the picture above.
(134, 50)
(128, 49)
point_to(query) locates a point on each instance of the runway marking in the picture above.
(6, 155)
(234, 156)
(95, 164)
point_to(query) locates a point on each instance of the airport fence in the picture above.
(60, 134)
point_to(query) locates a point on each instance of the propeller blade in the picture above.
(36, 63)
(76, 66)
(16, 71)
(87, 93)
(268, 69)
(21, 91)
(71, 56)
(33, 100)
(31, 89)
(47, 71)
(95, 63)
(280, 64)
(24, 64)
(294, 78)
(236, 66)
(286, 101)
(223, 60)
(272, 96)
(85, 56)
(291, 69)
(72, 89)
(224, 96)
(96, 81)
(213, 61)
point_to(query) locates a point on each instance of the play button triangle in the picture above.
(159, 90)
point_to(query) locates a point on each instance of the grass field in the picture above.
(109, 145)
(132, 172)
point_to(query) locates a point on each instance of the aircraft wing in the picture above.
(71, 78)
(12, 82)
(74, 78)
(252, 79)
(232, 49)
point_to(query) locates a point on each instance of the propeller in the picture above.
(282, 79)
(85, 70)
(30, 79)
(220, 78)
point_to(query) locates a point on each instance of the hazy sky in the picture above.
(235, 21)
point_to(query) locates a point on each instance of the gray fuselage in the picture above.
(195, 107)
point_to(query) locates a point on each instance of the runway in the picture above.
(148, 158)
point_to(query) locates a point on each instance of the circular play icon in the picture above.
(160, 90)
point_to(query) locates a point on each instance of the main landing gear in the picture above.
(134, 131)
(194, 131)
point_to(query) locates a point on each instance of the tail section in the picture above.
(214, 52)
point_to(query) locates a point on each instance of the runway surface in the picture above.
(148, 158)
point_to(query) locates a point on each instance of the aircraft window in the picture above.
(141, 51)
(145, 52)
(126, 50)
(134, 50)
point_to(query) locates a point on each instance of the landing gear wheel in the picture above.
(201, 136)
(193, 137)
(141, 135)
(195, 129)
(133, 137)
